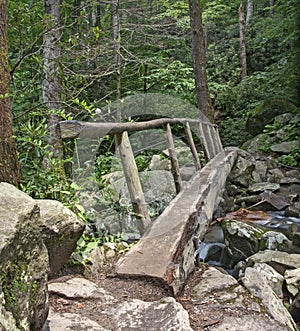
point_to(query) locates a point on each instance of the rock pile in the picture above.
(265, 253)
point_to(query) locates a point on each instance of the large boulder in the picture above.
(23, 262)
(242, 170)
(242, 239)
(242, 309)
(258, 286)
(265, 113)
(36, 239)
(280, 261)
(61, 229)
(158, 187)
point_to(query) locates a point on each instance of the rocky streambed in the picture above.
(257, 229)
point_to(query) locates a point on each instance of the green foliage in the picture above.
(103, 165)
(175, 79)
(142, 161)
(86, 244)
(292, 159)
(291, 133)
(232, 130)
(38, 180)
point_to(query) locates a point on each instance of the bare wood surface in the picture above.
(192, 146)
(133, 182)
(173, 158)
(166, 252)
(72, 129)
(211, 141)
(219, 143)
(204, 142)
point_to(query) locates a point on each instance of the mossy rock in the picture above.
(265, 114)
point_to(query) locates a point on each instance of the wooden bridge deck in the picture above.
(167, 250)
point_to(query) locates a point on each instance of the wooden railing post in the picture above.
(211, 140)
(173, 158)
(219, 143)
(133, 182)
(204, 140)
(192, 146)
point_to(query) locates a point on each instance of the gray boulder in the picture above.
(285, 147)
(242, 239)
(259, 288)
(292, 278)
(245, 239)
(274, 278)
(23, 262)
(241, 173)
(280, 261)
(69, 322)
(36, 239)
(164, 315)
(248, 322)
(79, 288)
(242, 309)
(265, 114)
(61, 229)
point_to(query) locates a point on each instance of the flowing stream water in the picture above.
(212, 249)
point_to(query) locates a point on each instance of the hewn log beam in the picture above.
(167, 251)
(72, 129)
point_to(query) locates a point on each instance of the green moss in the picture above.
(15, 284)
(34, 293)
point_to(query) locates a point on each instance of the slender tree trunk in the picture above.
(75, 14)
(51, 84)
(271, 8)
(116, 37)
(199, 60)
(243, 59)
(9, 166)
(249, 12)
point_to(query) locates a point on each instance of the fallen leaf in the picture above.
(79, 305)
(63, 301)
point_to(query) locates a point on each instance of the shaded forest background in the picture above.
(105, 50)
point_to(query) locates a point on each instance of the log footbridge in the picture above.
(166, 250)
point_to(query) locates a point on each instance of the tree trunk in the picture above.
(51, 83)
(243, 59)
(249, 12)
(116, 37)
(271, 8)
(199, 60)
(9, 166)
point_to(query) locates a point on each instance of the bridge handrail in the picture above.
(208, 134)
(72, 129)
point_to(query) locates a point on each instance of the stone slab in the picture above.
(164, 315)
(167, 250)
(248, 322)
(79, 288)
(70, 322)
(259, 288)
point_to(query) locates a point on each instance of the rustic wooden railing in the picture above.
(209, 137)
